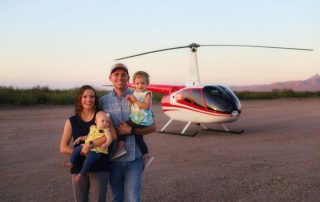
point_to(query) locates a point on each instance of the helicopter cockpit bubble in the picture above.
(220, 98)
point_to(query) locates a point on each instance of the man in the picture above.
(125, 172)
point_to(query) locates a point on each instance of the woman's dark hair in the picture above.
(77, 104)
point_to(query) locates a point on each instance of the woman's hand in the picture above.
(85, 149)
(79, 139)
(104, 146)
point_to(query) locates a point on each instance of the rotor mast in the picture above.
(194, 68)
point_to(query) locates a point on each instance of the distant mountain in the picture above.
(311, 84)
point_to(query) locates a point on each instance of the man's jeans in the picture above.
(126, 179)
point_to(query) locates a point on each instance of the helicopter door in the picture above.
(191, 97)
(197, 98)
(184, 97)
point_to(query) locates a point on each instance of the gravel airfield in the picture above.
(277, 158)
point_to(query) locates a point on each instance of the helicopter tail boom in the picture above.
(163, 89)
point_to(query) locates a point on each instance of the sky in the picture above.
(66, 44)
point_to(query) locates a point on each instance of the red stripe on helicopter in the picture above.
(200, 111)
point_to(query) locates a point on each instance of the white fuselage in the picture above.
(183, 112)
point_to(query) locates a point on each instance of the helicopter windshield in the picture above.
(219, 98)
(234, 97)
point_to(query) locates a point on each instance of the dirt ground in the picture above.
(277, 158)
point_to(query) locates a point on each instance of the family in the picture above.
(107, 134)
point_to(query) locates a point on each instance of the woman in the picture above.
(96, 181)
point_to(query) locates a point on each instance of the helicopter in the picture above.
(196, 103)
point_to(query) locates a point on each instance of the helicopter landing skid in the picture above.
(223, 131)
(173, 133)
(181, 134)
(226, 130)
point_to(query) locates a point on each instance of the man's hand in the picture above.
(124, 129)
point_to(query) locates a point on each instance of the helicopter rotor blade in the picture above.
(194, 46)
(131, 56)
(253, 46)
